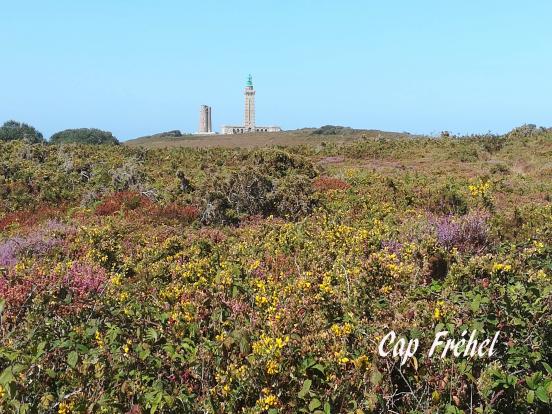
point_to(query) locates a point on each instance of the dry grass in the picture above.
(265, 139)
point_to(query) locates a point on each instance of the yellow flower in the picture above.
(361, 362)
(268, 401)
(501, 267)
(272, 367)
(261, 300)
(480, 189)
(99, 340)
(66, 408)
(342, 331)
(341, 358)
(437, 313)
(269, 346)
(386, 289)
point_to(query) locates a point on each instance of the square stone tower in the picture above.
(205, 126)
(249, 115)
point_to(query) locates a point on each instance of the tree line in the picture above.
(14, 130)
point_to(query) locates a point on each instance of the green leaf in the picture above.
(474, 306)
(531, 396)
(319, 369)
(542, 394)
(6, 376)
(72, 359)
(327, 408)
(547, 368)
(533, 380)
(305, 389)
(40, 349)
(314, 404)
(376, 377)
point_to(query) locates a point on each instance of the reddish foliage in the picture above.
(127, 200)
(28, 218)
(214, 235)
(175, 211)
(135, 409)
(19, 289)
(329, 183)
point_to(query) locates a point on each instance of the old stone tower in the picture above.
(205, 120)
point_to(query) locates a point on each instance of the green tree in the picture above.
(13, 130)
(83, 136)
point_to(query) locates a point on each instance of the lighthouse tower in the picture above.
(249, 113)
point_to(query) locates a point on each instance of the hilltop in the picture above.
(335, 134)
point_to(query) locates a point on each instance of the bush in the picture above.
(83, 136)
(279, 163)
(249, 193)
(293, 197)
(448, 200)
(13, 130)
(467, 233)
(330, 183)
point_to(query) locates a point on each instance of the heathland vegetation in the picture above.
(228, 280)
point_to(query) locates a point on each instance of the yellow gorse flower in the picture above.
(268, 400)
(501, 267)
(99, 340)
(272, 367)
(479, 190)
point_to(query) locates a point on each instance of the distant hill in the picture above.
(327, 133)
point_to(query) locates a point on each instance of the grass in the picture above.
(253, 140)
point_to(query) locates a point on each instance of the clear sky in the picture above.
(138, 67)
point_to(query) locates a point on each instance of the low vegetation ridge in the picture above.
(255, 140)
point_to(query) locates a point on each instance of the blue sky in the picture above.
(140, 67)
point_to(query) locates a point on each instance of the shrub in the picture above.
(278, 163)
(293, 197)
(83, 136)
(333, 130)
(525, 131)
(329, 183)
(467, 233)
(128, 200)
(249, 192)
(174, 212)
(128, 176)
(13, 130)
(448, 199)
